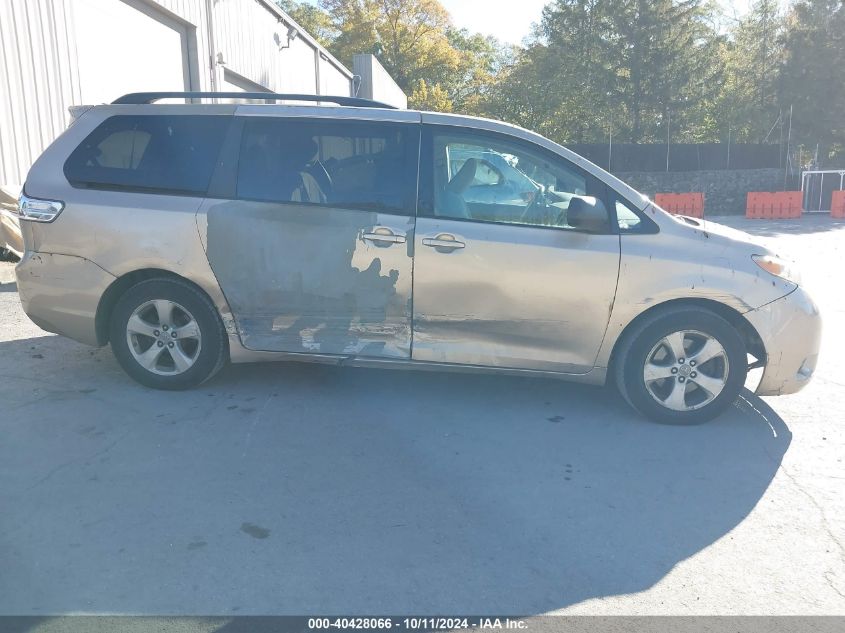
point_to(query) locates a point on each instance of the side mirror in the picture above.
(587, 213)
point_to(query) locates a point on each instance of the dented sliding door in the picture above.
(314, 249)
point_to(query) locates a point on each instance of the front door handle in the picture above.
(444, 241)
(384, 236)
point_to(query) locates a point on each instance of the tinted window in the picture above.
(161, 153)
(489, 178)
(351, 164)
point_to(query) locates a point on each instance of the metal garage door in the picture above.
(233, 82)
(128, 46)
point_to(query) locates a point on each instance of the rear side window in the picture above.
(342, 164)
(158, 153)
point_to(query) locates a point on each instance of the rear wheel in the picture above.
(682, 366)
(166, 334)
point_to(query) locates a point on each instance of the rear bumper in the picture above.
(60, 293)
(791, 330)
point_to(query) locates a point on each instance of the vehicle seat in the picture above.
(318, 170)
(452, 201)
(281, 174)
(296, 183)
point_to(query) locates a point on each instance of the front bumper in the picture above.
(60, 293)
(790, 329)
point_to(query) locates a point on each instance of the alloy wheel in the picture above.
(163, 337)
(686, 370)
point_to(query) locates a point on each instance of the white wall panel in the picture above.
(376, 82)
(252, 37)
(38, 81)
(59, 53)
(332, 80)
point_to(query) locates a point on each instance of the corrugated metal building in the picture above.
(58, 53)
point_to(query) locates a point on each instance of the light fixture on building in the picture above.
(292, 34)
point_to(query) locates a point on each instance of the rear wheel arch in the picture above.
(123, 283)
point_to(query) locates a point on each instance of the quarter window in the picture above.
(492, 179)
(627, 218)
(173, 154)
(346, 164)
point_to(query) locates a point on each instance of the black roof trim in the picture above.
(151, 97)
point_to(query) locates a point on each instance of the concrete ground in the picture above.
(286, 489)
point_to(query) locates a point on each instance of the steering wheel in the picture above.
(539, 197)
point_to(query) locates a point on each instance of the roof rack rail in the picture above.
(151, 97)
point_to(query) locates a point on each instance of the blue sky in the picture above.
(510, 20)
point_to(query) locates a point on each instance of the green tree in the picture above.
(438, 66)
(574, 61)
(516, 95)
(662, 52)
(481, 60)
(558, 85)
(625, 65)
(433, 98)
(812, 78)
(748, 104)
(409, 37)
(312, 18)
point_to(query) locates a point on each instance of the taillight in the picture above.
(36, 210)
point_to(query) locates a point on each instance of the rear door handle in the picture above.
(384, 235)
(444, 241)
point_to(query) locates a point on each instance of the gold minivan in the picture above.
(190, 234)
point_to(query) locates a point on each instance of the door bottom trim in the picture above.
(239, 354)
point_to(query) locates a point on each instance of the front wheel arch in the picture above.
(751, 338)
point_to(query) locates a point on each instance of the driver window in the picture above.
(494, 180)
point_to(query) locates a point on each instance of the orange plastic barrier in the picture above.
(837, 205)
(691, 204)
(773, 205)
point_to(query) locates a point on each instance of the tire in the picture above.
(686, 390)
(175, 339)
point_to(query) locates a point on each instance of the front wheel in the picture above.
(682, 366)
(166, 334)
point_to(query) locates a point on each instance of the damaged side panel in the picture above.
(304, 278)
(513, 297)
